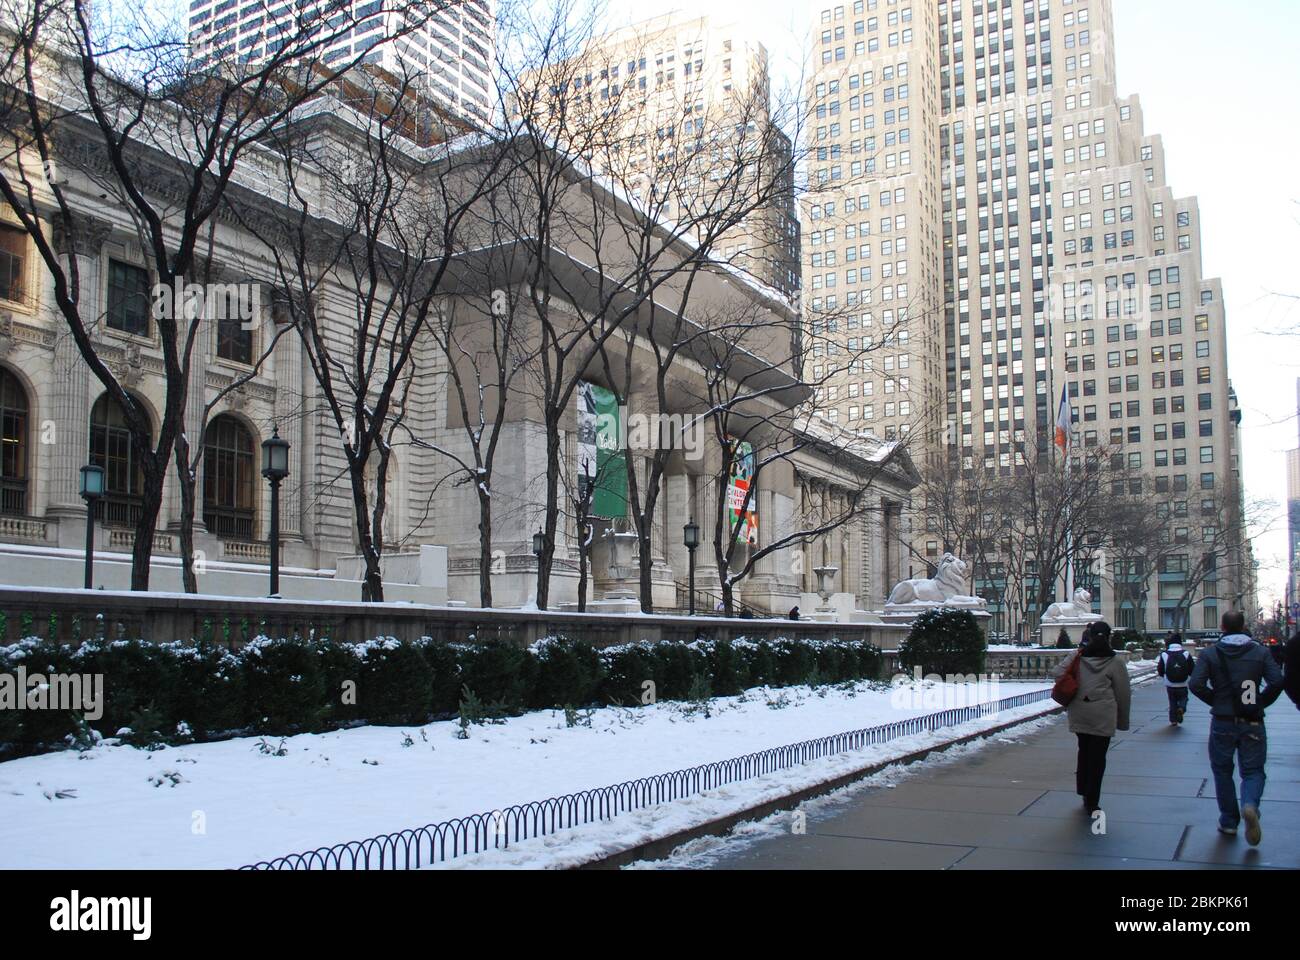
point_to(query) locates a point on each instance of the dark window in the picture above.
(13, 264)
(13, 452)
(228, 479)
(110, 448)
(234, 342)
(128, 298)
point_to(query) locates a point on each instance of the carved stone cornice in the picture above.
(86, 238)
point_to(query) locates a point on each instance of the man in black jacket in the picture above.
(1291, 669)
(1238, 679)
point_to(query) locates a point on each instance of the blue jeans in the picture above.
(1249, 744)
(1177, 703)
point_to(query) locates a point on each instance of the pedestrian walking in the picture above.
(1099, 708)
(1175, 665)
(1239, 679)
(1291, 669)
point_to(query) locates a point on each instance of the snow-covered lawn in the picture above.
(236, 802)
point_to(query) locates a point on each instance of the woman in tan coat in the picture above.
(1099, 709)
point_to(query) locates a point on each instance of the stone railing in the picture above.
(246, 551)
(123, 539)
(22, 528)
(73, 614)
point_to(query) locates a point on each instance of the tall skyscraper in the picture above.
(451, 53)
(973, 165)
(675, 96)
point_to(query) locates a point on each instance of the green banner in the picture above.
(602, 461)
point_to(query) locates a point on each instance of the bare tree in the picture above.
(116, 107)
(378, 200)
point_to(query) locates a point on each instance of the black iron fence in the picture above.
(497, 829)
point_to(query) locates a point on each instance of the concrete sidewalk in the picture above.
(1013, 805)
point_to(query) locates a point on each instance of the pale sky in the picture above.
(1218, 80)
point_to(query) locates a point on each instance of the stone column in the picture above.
(287, 372)
(73, 391)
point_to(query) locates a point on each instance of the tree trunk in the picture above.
(185, 477)
(484, 547)
(150, 507)
(544, 562)
(582, 575)
(372, 581)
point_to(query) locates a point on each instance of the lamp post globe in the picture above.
(275, 467)
(691, 539)
(92, 488)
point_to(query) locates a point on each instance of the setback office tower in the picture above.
(451, 52)
(988, 216)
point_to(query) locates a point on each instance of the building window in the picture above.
(110, 448)
(13, 264)
(13, 453)
(234, 342)
(128, 298)
(228, 479)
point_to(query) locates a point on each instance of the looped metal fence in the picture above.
(497, 829)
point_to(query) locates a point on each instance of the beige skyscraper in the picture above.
(675, 96)
(1044, 251)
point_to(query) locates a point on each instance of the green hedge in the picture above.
(200, 690)
(944, 641)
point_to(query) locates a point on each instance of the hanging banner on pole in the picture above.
(602, 462)
(743, 521)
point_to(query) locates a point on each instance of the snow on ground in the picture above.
(236, 802)
(572, 848)
(704, 851)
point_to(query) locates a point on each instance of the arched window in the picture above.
(13, 445)
(110, 448)
(228, 479)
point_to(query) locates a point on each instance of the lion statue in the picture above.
(949, 582)
(1078, 609)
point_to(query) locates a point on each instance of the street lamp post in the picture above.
(92, 488)
(275, 467)
(691, 538)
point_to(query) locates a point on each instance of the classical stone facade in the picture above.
(56, 418)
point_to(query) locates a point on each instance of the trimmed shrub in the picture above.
(569, 673)
(726, 667)
(284, 686)
(675, 669)
(395, 683)
(497, 672)
(944, 642)
(209, 692)
(444, 677)
(184, 691)
(626, 668)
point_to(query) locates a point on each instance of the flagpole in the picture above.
(1064, 425)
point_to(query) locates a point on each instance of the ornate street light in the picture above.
(92, 488)
(539, 544)
(275, 467)
(691, 538)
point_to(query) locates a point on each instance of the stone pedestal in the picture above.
(613, 563)
(904, 614)
(1049, 630)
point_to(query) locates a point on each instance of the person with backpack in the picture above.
(1098, 708)
(1239, 680)
(1291, 669)
(1175, 665)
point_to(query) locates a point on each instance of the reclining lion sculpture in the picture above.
(949, 583)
